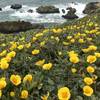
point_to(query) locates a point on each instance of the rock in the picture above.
(30, 11)
(16, 6)
(18, 26)
(71, 14)
(0, 9)
(63, 10)
(91, 7)
(72, 10)
(47, 9)
(98, 10)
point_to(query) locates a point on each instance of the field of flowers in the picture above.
(62, 63)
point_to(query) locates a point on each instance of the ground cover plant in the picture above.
(61, 63)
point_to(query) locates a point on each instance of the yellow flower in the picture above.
(69, 37)
(24, 94)
(20, 47)
(4, 65)
(40, 62)
(65, 43)
(93, 31)
(72, 54)
(90, 69)
(57, 39)
(15, 79)
(74, 59)
(85, 50)
(38, 35)
(91, 24)
(34, 39)
(3, 44)
(89, 39)
(42, 43)
(64, 93)
(92, 47)
(81, 41)
(7, 59)
(74, 70)
(2, 83)
(22, 39)
(59, 53)
(12, 93)
(72, 40)
(3, 53)
(45, 97)
(52, 37)
(46, 30)
(0, 93)
(88, 80)
(47, 66)
(35, 52)
(57, 30)
(28, 77)
(87, 90)
(97, 55)
(28, 45)
(91, 59)
(11, 54)
(13, 45)
(3, 59)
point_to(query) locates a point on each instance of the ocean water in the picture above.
(8, 14)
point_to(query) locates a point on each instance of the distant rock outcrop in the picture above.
(16, 6)
(91, 7)
(71, 14)
(47, 9)
(30, 11)
(0, 9)
(63, 10)
(17, 26)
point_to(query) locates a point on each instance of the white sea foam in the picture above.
(7, 8)
(78, 6)
(35, 17)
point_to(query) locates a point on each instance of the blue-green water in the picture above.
(9, 14)
(41, 2)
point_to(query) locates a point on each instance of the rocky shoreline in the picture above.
(48, 9)
(17, 26)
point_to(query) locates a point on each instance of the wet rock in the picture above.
(71, 14)
(68, 16)
(63, 10)
(30, 11)
(0, 9)
(72, 10)
(18, 26)
(16, 6)
(47, 9)
(91, 7)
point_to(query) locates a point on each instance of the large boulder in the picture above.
(16, 6)
(47, 9)
(71, 14)
(63, 11)
(71, 10)
(91, 7)
(30, 11)
(0, 9)
(17, 26)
